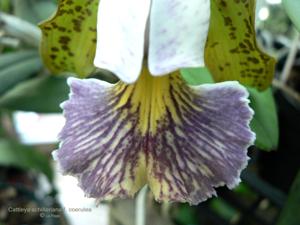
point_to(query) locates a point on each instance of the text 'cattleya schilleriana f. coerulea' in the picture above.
(151, 127)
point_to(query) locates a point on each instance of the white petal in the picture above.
(178, 32)
(120, 37)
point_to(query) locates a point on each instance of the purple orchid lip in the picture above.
(182, 141)
(175, 38)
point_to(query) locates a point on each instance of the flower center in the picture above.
(152, 97)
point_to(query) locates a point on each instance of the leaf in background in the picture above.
(4, 5)
(186, 215)
(265, 121)
(290, 214)
(13, 154)
(292, 7)
(2, 130)
(15, 57)
(231, 50)
(196, 76)
(223, 209)
(21, 29)
(34, 11)
(18, 72)
(69, 38)
(43, 94)
(263, 188)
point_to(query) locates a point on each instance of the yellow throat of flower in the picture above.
(152, 97)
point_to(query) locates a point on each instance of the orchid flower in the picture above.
(151, 127)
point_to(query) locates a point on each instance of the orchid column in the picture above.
(152, 128)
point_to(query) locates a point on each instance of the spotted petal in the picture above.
(183, 141)
(69, 38)
(231, 50)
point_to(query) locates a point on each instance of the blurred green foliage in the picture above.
(223, 209)
(20, 156)
(25, 84)
(30, 95)
(265, 121)
(16, 67)
(291, 213)
(292, 8)
(186, 215)
(34, 11)
(4, 5)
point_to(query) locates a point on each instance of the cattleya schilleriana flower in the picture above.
(151, 127)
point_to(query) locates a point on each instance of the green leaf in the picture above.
(69, 38)
(4, 5)
(223, 209)
(290, 214)
(265, 121)
(13, 154)
(263, 188)
(15, 57)
(21, 29)
(196, 76)
(292, 8)
(231, 51)
(18, 72)
(186, 215)
(34, 11)
(43, 94)
(2, 130)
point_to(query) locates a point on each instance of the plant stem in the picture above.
(140, 207)
(291, 59)
(286, 89)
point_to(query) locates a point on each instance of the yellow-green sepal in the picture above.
(231, 50)
(69, 38)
